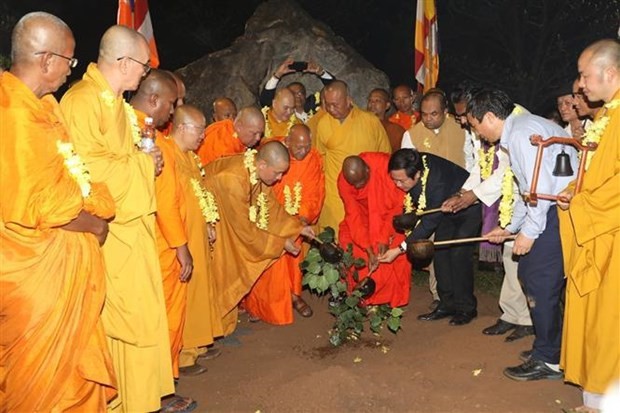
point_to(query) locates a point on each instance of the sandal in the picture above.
(302, 307)
(179, 404)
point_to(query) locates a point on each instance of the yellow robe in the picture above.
(134, 315)
(590, 232)
(53, 353)
(448, 143)
(242, 251)
(274, 129)
(361, 131)
(313, 123)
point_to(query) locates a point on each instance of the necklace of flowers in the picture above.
(259, 213)
(206, 201)
(292, 202)
(77, 169)
(485, 160)
(109, 99)
(268, 132)
(506, 205)
(423, 179)
(597, 128)
(408, 208)
(199, 164)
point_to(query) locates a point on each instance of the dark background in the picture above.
(526, 47)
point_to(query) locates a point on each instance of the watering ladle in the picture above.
(329, 251)
(424, 249)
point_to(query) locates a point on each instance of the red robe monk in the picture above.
(301, 192)
(53, 353)
(405, 120)
(370, 203)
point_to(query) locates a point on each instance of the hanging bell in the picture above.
(562, 165)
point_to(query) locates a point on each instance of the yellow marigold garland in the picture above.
(408, 204)
(485, 160)
(424, 178)
(507, 203)
(248, 162)
(206, 201)
(77, 169)
(258, 213)
(292, 202)
(109, 100)
(199, 164)
(597, 128)
(268, 132)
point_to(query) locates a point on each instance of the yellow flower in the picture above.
(199, 163)
(427, 143)
(75, 166)
(597, 129)
(317, 98)
(108, 98)
(265, 111)
(292, 202)
(485, 160)
(206, 201)
(423, 179)
(507, 203)
(408, 204)
(248, 162)
(252, 213)
(263, 211)
(133, 122)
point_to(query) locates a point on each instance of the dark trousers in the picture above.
(454, 267)
(541, 272)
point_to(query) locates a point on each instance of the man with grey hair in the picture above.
(105, 132)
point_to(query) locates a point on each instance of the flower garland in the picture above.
(248, 162)
(408, 204)
(597, 128)
(426, 143)
(206, 201)
(424, 178)
(507, 203)
(485, 160)
(199, 164)
(268, 132)
(259, 213)
(75, 166)
(109, 100)
(292, 203)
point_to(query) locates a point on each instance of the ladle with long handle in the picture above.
(466, 240)
(424, 249)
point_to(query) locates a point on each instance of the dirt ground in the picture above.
(427, 367)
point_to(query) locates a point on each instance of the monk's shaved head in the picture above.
(180, 88)
(402, 88)
(119, 41)
(404, 98)
(283, 104)
(249, 126)
(604, 53)
(272, 161)
(299, 141)
(187, 114)
(378, 102)
(156, 96)
(599, 70)
(155, 83)
(37, 32)
(224, 108)
(338, 103)
(188, 125)
(355, 171)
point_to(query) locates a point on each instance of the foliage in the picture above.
(349, 309)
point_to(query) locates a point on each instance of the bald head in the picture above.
(338, 103)
(36, 32)
(272, 161)
(378, 102)
(283, 104)
(599, 70)
(355, 171)
(404, 98)
(249, 126)
(188, 126)
(119, 41)
(180, 88)
(299, 141)
(156, 96)
(224, 108)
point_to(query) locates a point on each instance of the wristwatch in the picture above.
(401, 249)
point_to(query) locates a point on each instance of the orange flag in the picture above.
(135, 14)
(426, 64)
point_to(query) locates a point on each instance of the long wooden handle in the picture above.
(428, 211)
(464, 240)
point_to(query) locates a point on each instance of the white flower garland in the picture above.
(408, 204)
(77, 169)
(199, 164)
(485, 160)
(597, 129)
(248, 162)
(424, 178)
(206, 201)
(109, 100)
(259, 213)
(292, 202)
(507, 203)
(268, 132)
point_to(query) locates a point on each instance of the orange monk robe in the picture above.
(361, 131)
(102, 131)
(590, 232)
(394, 132)
(368, 223)
(242, 251)
(53, 353)
(405, 120)
(270, 298)
(274, 128)
(220, 140)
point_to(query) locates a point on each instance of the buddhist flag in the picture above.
(135, 14)
(426, 44)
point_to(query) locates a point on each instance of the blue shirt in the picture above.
(528, 219)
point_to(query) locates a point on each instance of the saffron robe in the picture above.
(53, 353)
(220, 140)
(242, 251)
(274, 128)
(405, 120)
(361, 131)
(590, 232)
(448, 142)
(313, 123)
(368, 222)
(394, 132)
(270, 297)
(134, 314)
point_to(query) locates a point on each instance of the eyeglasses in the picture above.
(145, 66)
(200, 128)
(72, 60)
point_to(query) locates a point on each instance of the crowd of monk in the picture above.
(121, 267)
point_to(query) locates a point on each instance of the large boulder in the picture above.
(278, 29)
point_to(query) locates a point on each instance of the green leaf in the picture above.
(342, 287)
(356, 276)
(331, 274)
(393, 324)
(323, 284)
(359, 263)
(313, 281)
(358, 327)
(397, 312)
(328, 235)
(305, 279)
(314, 268)
(375, 321)
(352, 301)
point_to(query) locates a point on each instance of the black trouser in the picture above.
(454, 266)
(542, 273)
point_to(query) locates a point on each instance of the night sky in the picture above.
(526, 47)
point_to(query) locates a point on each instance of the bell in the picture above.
(562, 165)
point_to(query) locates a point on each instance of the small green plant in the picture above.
(349, 309)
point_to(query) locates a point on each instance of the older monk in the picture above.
(224, 108)
(280, 116)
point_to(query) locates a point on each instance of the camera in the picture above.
(298, 66)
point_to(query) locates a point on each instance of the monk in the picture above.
(224, 108)
(180, 86)
(301, 192)
(404, 99)
(228, 137)
(438, 133)
(280, 116)
(314, 118)
(253, 228)
(379, 104)
(105, 131)
(52, 346)
(346, 131)
(590, 233)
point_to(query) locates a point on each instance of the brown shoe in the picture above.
(210, 354)
(302, 307)
(194, 370)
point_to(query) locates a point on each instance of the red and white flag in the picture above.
(426, 44)
(135, 14)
